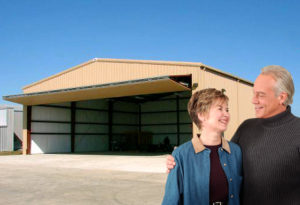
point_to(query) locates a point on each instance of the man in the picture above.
(270, 143)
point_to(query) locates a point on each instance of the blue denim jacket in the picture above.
(188, 182)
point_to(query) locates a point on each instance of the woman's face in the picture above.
(217, 118)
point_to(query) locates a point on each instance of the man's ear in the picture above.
(282, 97)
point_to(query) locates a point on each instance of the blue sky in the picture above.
(41, 38)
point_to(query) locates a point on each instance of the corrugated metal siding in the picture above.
(7, 132)
(50, 143)
(239, 98)
(91, 143)
(108, 72)
(246, 108)
(163, 118)
(18, 123)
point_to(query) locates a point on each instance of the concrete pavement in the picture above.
(82, 179)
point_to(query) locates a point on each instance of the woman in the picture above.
(208, 168)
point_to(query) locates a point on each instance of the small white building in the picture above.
(11, 127)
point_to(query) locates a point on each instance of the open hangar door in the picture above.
(156, 122)
(131, 115)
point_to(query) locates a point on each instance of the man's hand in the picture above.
(170, 163)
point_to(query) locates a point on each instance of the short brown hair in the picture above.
(201, 101)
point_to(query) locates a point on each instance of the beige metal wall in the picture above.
(246, 108)
(101, 72)
(239, 94)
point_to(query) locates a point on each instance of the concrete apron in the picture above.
(82, 179)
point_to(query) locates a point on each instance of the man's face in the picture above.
(264, 99)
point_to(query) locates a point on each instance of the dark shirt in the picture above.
(218, 185)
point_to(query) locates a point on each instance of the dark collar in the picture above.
(278, 119)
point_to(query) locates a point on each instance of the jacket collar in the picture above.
(199, 146)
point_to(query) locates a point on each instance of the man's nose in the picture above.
(254, 99)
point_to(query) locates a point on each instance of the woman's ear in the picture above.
(201, 117)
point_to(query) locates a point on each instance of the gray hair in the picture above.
(284, 81)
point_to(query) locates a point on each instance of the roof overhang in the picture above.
(146, 86)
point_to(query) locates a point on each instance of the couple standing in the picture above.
(266, 164)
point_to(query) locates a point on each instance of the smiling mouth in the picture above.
(258, 108)
(225, 122)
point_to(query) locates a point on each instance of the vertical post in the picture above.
(24, 143)
(110, 122)
(140, 127)
(73, 125)
(177, 118)
(29, 118)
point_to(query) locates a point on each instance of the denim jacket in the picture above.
(188, 182)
